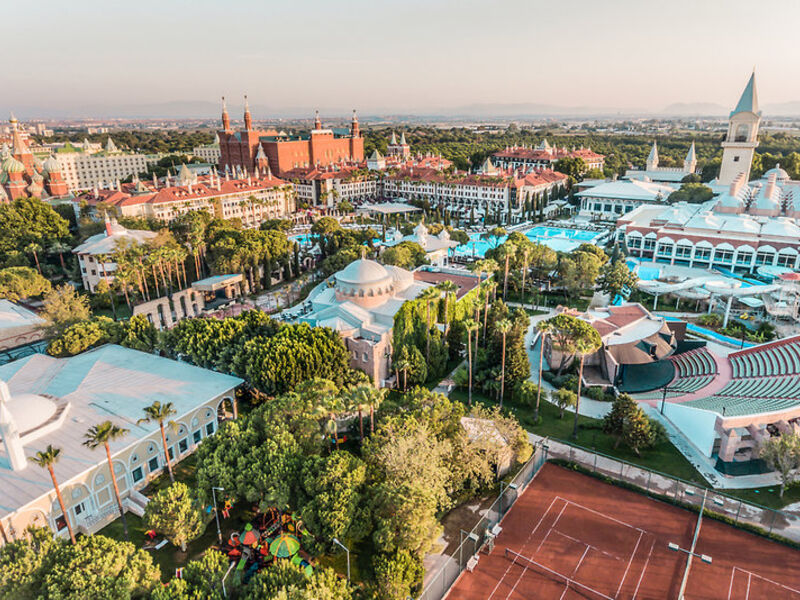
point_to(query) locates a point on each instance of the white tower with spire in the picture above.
(690, 162)
(742, 139)
(9, 431)
(652, 158)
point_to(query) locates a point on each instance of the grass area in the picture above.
(768, 496)
(663, 457)
(123, 312)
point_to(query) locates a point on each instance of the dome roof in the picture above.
(362, 271)
(728, 201)
(12, 165)
(780, 174)
(51, 165)
(30, 411)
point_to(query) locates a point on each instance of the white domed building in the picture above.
(54, 401)
(436, 247)
(360, 302)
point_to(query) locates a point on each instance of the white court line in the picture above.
(647, 562)
(544, 539)
(630, 561)
(577, 541)
(521, 575)
(751, 574)
(547, 512)
(730, 588)
(605, 516)
(578, 566)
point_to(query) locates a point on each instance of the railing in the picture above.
(439, 584)
(660, 485)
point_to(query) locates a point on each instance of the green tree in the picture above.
(18, 283)
(563, 399)
(62, 307)
(47, 459)
(615, 277)
(782, 454)
(614, 421)
(574, 167)
(101, 435)
(503, 326)
(174, 512)
(334, 489)
(397, 575)
(637, 431)
(692, 192)
(201, 579)
(470, 325)
(587, 342)
(161, 413)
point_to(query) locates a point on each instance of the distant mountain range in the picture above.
(525, 110)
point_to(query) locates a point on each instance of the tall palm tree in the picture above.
(447, 287)
(59, 248)
(470, 325)
(365, 397)
(46, 460)
(428, 295)
(160, 413)
(544, 327)
(585, 344)
(503, 326)
(34, 249)
(525, 255)
(101, 435)
(488, 287)
(509, 250)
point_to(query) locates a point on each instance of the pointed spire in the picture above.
(652, 158)
(748, 102)
(393, 141)
(111, 147)
(403, 139)
(354, 129)
(691, 156)
(226, 119)
(248, 119)
(317, 121)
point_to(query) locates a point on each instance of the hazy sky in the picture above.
(396, 55)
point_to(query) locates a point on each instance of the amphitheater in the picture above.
(727, 405)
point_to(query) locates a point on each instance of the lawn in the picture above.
(663, 457)
(768, 496)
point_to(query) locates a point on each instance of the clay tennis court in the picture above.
(570, 536)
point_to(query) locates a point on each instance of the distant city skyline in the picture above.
(431, 57)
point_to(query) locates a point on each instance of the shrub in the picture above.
(710, 320)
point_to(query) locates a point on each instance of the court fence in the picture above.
(780, 525)
(777, 524)
(471, 542)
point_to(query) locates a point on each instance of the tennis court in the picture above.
(570, 536)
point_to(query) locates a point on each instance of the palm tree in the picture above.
(101, 435)
(34, 249)
(365, 397)
(470, 325)
(159, 413)
(585, 344)
(503, 326)
(525, 254)
(509, 250)
(59, 248)
(487, 286)
(447, 287)
(544, 327)
(428, 295)
(46, 460)
(327, 408)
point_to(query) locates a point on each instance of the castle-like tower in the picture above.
(742, 138)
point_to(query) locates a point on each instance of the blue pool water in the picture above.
(557, 238)
(303, 240)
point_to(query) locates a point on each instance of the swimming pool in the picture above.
(558, 238)
(304, 239)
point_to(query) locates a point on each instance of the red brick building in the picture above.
(284, 152)
(22, 175)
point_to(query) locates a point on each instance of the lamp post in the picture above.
(664, 397)
(347, 550)
(470, 536)
(216, 512)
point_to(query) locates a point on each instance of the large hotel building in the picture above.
(318, 148)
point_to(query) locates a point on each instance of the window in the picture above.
(197, 436)
(702, 253)
(735, 159)
(744, 258)
(665, 250)
(634, 242)
(137, 474)
(785, 260)
(183, 446)
(724, 256)
(649, 244)
(210, 428)
(79, 508)
(683, 251)
(765, 258)
(61, 523)
(153, 464)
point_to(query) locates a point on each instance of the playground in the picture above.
(570, 536)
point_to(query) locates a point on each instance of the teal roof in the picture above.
(749, 100)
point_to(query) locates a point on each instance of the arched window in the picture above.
(742, 133)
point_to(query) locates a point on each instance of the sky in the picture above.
(385, 56)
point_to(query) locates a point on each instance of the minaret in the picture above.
(226, 119)
(652, 158)
(742, 138)
(690, 162)
(248, 119)
(317, 121)
(9, 431)
(354, 131)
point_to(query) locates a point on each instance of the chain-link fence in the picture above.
(653, 483)
(472, 541)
